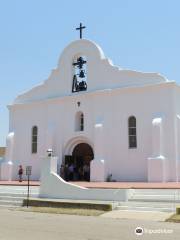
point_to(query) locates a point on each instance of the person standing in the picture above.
(62, 168)
(20, 173)
(80, 173)
(66, 172)
(86, 171)
(71, 172)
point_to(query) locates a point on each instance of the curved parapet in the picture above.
(101, 74)
(81, 47)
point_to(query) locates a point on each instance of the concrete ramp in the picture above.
(53, 186)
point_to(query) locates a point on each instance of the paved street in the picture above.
(27, 225)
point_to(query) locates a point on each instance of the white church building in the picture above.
(125, 124)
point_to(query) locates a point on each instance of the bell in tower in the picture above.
(79, 79)
(82, 74)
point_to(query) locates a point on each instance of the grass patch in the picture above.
(50, 203)
(70, 211)
(174, 218)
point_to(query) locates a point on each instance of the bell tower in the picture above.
(80, 69)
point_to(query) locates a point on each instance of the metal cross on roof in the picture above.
(80, 28)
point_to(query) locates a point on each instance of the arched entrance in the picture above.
(79, 162)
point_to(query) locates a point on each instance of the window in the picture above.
(79, 121)
(132, 132)
(34, 139)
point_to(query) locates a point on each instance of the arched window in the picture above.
(132, 132)
(79, 121)
(34, 139)
(82, 122)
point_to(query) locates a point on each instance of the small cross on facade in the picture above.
(80, 28)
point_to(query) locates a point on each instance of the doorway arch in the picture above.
(80, 154)
(83, 149)
(73, 142)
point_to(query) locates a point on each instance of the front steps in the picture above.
(13, 196)
(163, 200)
(147, 206)
(156, 195)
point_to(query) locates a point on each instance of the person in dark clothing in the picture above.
(62, 171)
(86, 171)
(71, 172)
(66, 173)
(20, 173)
(80, 171)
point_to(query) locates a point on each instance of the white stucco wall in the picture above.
(113, 95)
(124, 163)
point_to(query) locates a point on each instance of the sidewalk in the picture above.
(17, 183)
(130, 185)
(138, 215)
(107, 185)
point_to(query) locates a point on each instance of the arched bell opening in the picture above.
(79, 82)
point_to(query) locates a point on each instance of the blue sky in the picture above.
(136, 34)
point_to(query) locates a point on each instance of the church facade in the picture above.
(123, 124)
